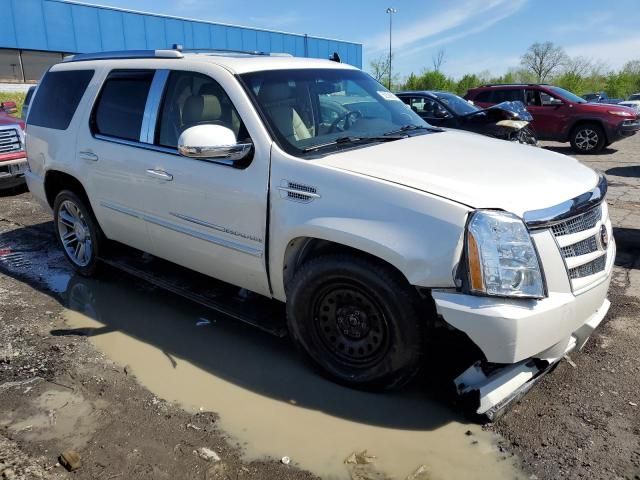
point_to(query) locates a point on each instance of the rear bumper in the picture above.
(36, 187)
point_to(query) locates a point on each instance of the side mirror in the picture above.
(441, 113)
(212, 141)
(554, 102)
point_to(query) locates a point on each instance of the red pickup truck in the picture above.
(13, 158)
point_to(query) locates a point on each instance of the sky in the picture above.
(476, 35)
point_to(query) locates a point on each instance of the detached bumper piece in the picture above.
(489, 389)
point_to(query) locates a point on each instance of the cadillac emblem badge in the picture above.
(604, 237)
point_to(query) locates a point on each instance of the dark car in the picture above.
(563, 116)
(508, 120)
(601, 97)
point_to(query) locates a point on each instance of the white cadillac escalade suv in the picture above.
(307, 182)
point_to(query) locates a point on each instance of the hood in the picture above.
(471, 169)
(9, 120)
(603, 107)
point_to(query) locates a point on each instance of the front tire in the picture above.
(588, 138)
(357, 320)
(77, 232)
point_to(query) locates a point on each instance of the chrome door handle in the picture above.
(90, 156)
(160, 175)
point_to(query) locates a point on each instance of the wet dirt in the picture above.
(268, 400)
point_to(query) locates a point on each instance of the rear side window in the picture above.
(58, 97)
(120, 106)
(483, 96)
(507, 95)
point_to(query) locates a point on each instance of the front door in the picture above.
(209, 216)
(549, 113)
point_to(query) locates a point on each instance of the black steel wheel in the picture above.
(357, 320)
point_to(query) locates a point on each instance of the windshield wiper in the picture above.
(353, 139)
(411, 127)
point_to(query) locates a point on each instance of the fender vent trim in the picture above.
(297, 192)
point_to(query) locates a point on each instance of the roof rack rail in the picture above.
(223, 51)
(123, 54)
(512, 84)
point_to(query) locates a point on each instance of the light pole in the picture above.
(390, 11)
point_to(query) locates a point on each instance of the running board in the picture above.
(239, 304)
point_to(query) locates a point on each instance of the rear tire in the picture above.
(588, 138)
(77, 232)
(357, 320)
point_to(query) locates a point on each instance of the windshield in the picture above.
(459, 105)
(306, 108)
(567, 95)
(635, 96)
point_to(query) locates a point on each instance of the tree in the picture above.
(379, 68)
(439, 59)
(543, 60)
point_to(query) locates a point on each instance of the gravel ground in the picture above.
(582, 421)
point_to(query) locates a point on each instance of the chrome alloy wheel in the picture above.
(74, 233)
(587, 139)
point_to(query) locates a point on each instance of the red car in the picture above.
(562, 116)
(13, 158)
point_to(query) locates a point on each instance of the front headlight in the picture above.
(501, 258)
(620, 113)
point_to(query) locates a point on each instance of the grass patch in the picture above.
(16, 97)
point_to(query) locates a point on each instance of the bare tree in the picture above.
(379, 68)
(579, 66)
(543, 59)
(439, 59)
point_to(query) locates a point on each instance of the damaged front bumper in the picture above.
(488, 389)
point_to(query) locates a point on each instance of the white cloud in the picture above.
(506, 12)
(615, 53)
(442, 21)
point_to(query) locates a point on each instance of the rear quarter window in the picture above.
(483, 96)
(58, 97)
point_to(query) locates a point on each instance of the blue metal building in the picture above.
(38, 33)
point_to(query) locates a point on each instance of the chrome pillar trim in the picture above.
(152, 107)
(546, 217)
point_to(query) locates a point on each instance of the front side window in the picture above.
(567, 95)
(192, 99)
(58, 97)
(120, 106)
(307, 108)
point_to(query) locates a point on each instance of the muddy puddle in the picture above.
(268, 399)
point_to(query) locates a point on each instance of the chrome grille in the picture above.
(590, 268)
(10, 141)
(583, 247)
(579, 223)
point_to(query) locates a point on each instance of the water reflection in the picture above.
(265, 394)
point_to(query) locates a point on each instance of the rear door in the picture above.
(430, 110)
(107, 147)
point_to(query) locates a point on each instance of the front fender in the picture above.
(420, 234)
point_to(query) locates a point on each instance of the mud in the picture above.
(267, 399)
